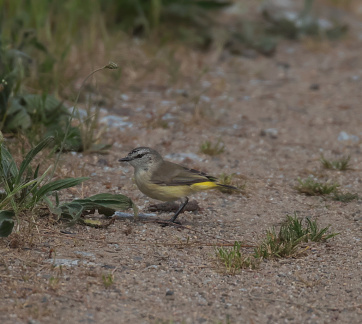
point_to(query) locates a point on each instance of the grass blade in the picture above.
(12, 192)
(8, 165)
(58, 185)
(30, 156)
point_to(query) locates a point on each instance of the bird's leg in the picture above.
(180, 210)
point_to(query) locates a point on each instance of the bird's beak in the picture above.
(125, 159)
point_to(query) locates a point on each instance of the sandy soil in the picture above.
(276, 116)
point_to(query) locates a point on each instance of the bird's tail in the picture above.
(205, 185)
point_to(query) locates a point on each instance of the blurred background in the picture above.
(47, 48)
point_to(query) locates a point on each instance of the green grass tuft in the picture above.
(234, 259)
(108, 280)
(345, 197)
(341, 164)
(212, 149)
(312, 187)
(276, 244)
(292, 232)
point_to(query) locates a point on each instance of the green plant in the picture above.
(54, 282)
(40, 116)
(37, 115)
(172, 19)
(315, 234)
(345, 197)
(276, 244)
(108, 280)
(105, 203)
(24, 189)
(37, 31)
(342, 164)
(291, 233)
(212, 149)
(312, 187)
(234, 259)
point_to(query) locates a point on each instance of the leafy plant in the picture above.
(342, 164)
(311, 187)
(106, 204)
(37, 115)
(41, 115)
(24, 189)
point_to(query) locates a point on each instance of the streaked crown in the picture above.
(142, 157)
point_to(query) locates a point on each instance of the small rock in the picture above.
(355, 78)
(85, 254)
(270, 132)
(152, 267)
(180, 91)
(206, 84)
(124, 97)
(343, 136)
(115, 121)
(183, 156)
(283, 65)
(102, 162)
(137, 258)
(314, 86)
(205, 98)
(33, 321)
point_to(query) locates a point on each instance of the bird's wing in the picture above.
(171, 174)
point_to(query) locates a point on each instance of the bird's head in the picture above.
(142, 157)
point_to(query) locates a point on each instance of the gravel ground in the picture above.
(276, 116)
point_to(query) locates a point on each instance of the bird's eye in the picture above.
(139, 156)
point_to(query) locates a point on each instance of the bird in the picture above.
(167, 181)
